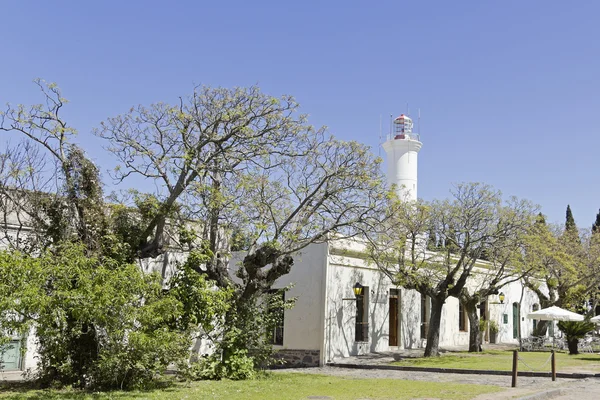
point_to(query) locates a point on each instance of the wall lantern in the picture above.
(501, 297)
(358, 289)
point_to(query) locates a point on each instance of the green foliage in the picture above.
(575, 330)
(476, 222)
(432, 241)
(240, 330)
(99, 323)
(494, 328)
(203, 304)
(596, 224)
(558, 256)
(569, 220)
(237, 366)
(240, 240)
(249, 329)
(483, 324)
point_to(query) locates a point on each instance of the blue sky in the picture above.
(508, 91)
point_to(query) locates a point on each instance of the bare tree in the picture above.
(474, 221)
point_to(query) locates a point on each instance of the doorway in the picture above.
(483, 316)
(10, 355)
(394, 314)
(516, 317)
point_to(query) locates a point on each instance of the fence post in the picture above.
(553, 366)
(514, 368)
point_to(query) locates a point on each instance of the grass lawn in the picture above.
(502, 361)
(278, 386)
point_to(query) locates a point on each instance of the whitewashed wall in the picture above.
(304, 323)
(512, 294)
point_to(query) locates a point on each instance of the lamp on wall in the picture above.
(358, 289)
(501, 297)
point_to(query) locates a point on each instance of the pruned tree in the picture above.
(504, 262)
(473, 221)
(239, 161)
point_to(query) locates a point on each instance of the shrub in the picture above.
(494, 328)
(100, 323)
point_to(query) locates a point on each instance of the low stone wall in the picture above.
(297, 358)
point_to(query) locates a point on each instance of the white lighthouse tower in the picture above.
(402, 148)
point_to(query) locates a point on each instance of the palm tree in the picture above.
(575, 330)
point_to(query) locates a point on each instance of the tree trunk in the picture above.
(540, 328)
(572, 343)
(433, 335)
(474, 332)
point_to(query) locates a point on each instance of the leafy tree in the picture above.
(474, 220)
(99, 323)
(244, 162)
(566, 264)
(44, 215)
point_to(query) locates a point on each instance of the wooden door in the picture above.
(515, 320)
(394, 317)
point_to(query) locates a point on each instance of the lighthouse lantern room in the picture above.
(402, 125)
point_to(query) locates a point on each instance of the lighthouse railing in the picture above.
(404, 136)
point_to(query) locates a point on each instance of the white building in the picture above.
(328, 322)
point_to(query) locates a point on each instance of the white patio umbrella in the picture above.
(555, 314)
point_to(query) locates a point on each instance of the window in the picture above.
(462, 318)
(275, 310)
(425, 312)
(516, 317)
(483, 310)
(362, 316)
(535, 308)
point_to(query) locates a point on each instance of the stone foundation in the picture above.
(297, 358)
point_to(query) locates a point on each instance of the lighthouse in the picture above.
(402, 149)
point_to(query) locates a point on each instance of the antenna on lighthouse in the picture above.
(419, 122)
(380, 136)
